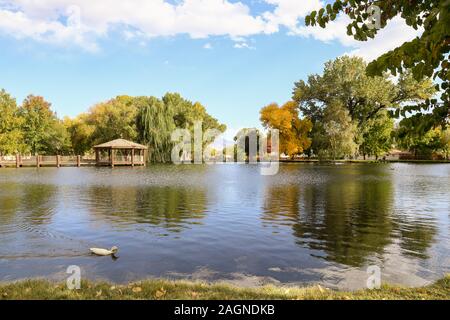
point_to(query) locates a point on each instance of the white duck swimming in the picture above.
(104, 252)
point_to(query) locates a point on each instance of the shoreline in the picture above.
(314, 161)
(160, 289)
(361, 161)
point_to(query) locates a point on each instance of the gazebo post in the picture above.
(96, 157)
(113, 154)
(132, 157)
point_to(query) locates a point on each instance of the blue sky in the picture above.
(234, 68)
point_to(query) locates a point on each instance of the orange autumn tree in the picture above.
(293, 130)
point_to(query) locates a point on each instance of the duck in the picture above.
(104, 252)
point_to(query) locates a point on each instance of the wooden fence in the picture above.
(19, 161)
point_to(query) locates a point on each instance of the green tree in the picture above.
(58, 139)
(344, 79)
(43, 132)
(376, 135)
(157, 119)
(111, 120)
(426, 56)
(421, 145)
(186, 113)
(445, 143)
(80, 132)
(155, 124)
(11, 135)
(335, 134)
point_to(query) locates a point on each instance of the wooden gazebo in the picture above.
(120, 152)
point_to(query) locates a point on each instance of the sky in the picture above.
(232, 56)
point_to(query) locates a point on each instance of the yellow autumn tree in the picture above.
(293, 130)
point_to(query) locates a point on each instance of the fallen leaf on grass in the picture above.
(137, 289)
(160, 293)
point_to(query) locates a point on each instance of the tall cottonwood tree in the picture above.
(344, 81)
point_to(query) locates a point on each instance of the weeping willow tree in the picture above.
(158, 118)
(155, 123)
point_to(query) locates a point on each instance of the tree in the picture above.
(376, 135)
(243, 140)
(344, 79)
(186, 113)
(43, 132)
(293, 131)
(113, 119)
(335, 135)
(445, 143)
(58, 139)
(80, 132)
(148, 120)
(11, 136)
(157, 119)
(426, 56)
(368, 100)
(155, 123)
(421, 145)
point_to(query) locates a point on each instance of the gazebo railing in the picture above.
(119, 158)
(47, 161)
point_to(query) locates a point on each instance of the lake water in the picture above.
(310, 223)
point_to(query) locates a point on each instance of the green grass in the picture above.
(165, 289)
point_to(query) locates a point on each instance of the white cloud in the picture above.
(288, 13)
(207, 46)
(392, 36)
(83, 22)
(20, 26)
(243, 45)
(49, 20)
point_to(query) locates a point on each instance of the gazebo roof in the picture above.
(121, 144)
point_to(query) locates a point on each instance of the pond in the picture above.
(310, 223)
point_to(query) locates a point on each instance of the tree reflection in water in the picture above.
(173, 209)
(348, 219)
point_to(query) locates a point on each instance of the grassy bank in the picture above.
(164, 289)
